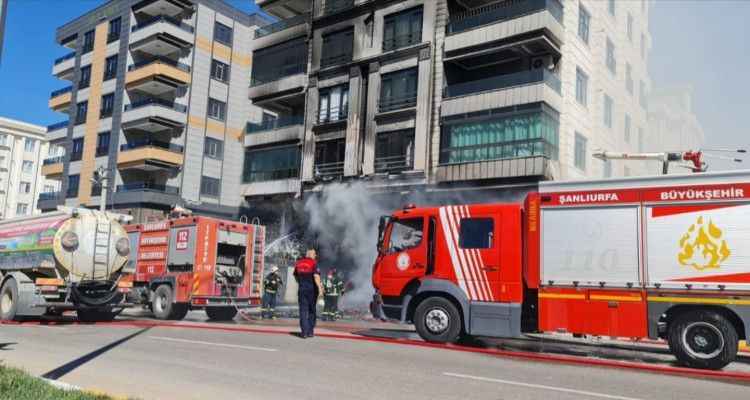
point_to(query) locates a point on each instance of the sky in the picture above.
(701, 43)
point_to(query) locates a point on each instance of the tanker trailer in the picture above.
(69, 259)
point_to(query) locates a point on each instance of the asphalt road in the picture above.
(192, 363)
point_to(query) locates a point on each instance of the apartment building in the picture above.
(23, 146)
(444, 94)
(156, 95)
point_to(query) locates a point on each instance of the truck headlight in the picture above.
(123, 246)
(69, 241)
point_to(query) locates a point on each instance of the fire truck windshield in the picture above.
(405, 234)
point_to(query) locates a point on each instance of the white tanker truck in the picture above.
(69, 259)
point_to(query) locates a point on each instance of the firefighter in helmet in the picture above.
(333, 288)
(271, 285)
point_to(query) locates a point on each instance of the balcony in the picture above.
(50, 196)
(283, 129)
(52, 168)
(389, 104)
(532, 86)
(149, 155)
(328, 171)
(170, 8)
(147, 187)
(161, 35)
(483, 26)
(154, 115)
(333, 115)
(157, 76)
(284, 79)
(393, 164)
(58, 130)
(64, 67)
(60, 99)
(282, 30)
(50, 200)
(284, 8)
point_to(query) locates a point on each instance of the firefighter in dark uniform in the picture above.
(333, 288)
(310, 288)
(271, 285)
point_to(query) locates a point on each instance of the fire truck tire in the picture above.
(437, 320)
(703, 339)
(164, 307)
(8, 300)
(93, 315)
(221, 313)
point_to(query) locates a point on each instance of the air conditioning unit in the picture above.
(543, 62)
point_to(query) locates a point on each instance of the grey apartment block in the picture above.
(158, 99)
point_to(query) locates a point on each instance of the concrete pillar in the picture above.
(424, 110)
(353, 139)
(373, 96)
(308, 145)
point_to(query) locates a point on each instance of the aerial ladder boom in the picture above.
(694, 159)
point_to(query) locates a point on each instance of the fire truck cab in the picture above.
(664, 257)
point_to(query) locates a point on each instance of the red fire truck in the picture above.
(191, 262)
(664, 257)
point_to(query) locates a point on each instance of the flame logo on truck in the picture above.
(703, 246)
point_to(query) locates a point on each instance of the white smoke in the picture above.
(344, 217)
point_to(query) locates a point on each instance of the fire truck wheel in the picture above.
(8, 300)
(437, 320)
(703, 339)
(221, 313)
(163, 305)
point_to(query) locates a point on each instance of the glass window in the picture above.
(394, 151)
(73, 181)
(627, 128)
(284, 59)
(505, 136)
(82, 109)
(329, 157)
(102, 144)
(114, 30)
(582, 87)
(608, 106)
(630, 27)
(271, 164)
(76, 151)
(405, 234)
(27, 166)
(24, 187)
(580, 152)
(108, 105)
(217, 109)
(402, 29)
(398, 90)
(219, 71)
(110, 68)
(3, 140)
(612, 7)
(29, 144)
(223, 34)
(213, 148)
(338, 47)
(333, 104)
(210, 186)
(584, 23)
(88, 42)
(611, 61)
(22, 209)
(629, 78)
(476, 233)
(85, 79)
(48, 189)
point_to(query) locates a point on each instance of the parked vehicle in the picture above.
(664, 257)
(69, 259)
(190, 262)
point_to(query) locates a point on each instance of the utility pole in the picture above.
(101, 178)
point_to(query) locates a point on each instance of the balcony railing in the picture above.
(335, 6)
(280, 72)
(53, 160)
(502, 82)
(329, 170)
(50, 196)
(159, 59)
(66, 57)
(272, 175)
(400, 41)
(163, 18)
(61, 91)
(158, 102)
(281, 25)
(147, 186)
(114, 36)
(498, 151)
(397, 103)
(137, 144)
(334, 115)
(59, 125)
(498, 12)
(336, 59)
(393, 164)
(278, 123)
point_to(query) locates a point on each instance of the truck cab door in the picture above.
(479, 241)
(405, 254)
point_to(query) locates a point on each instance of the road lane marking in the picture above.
(533, 386)
(234, 346)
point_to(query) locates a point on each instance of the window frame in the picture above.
(26, 185)
(84, 78)
(207, 184)
(107, 107)
(213, 148)
(76, 155)
(219, 106)
(69, 192)
(82, 111)
(391, 23)
(584, 29)
(110, 71)
(390, 81)
(582, 93)
(103, 150)
(30, 169)
(609, 112)
(579, 152)
(627, 126)
(325, 96)
(22, 208)
(220, 33)
(462, 234)
(262, 155)
(611, 57)
(337, 47)
(88, 41)
(29, 145)
(114, 34)
(219, 71)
